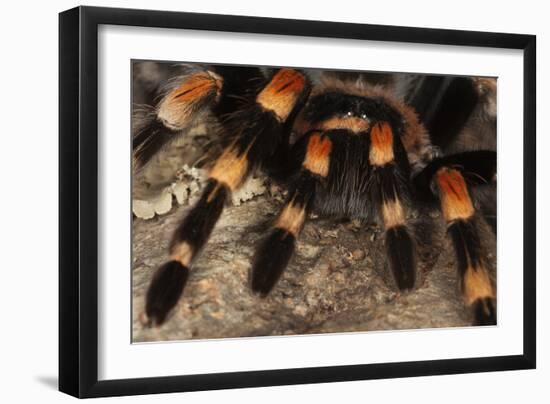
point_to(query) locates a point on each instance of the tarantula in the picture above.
(343, 146)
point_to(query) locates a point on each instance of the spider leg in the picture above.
(318, 155)
(256, 131)
(185, 102)
(390, 192)
(444, 105)
(450, 178)
(477, 167)
(273, 254)
(458, 211)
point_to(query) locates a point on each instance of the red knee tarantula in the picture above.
(343, 146)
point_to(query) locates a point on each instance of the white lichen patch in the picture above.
(251, 188)
(186, 189)
(143, 209)
(163, 203)
(181, 192)
(189, 183)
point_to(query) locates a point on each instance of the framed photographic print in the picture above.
(251, 201)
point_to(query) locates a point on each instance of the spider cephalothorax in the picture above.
(342, 147)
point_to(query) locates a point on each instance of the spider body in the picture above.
(342, 148)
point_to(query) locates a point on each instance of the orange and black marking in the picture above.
(176, 112)
(198, 89)
(393, 213)
(390, 193)
(193, 232)
(400, 245)
(477, 287)
(183, 252)
(459, 213)
(275, 251)
(282, 93)
(257, 130)
(317, 158)
(231, 168)
(292, 218)
(455, 198)
(381, 147)
(196, 86)
(351, 123)
(189, 238)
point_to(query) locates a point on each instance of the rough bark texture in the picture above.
(338, 280)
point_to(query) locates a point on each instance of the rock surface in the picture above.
(337, 281)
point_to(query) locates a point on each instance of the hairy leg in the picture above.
(390, 192)
(255, 131)
(449, 179)
(313, 155)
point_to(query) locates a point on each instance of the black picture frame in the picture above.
(78, 195)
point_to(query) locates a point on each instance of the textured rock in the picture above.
(337, 281)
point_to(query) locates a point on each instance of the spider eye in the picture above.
(364, 116)
(349, 113)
